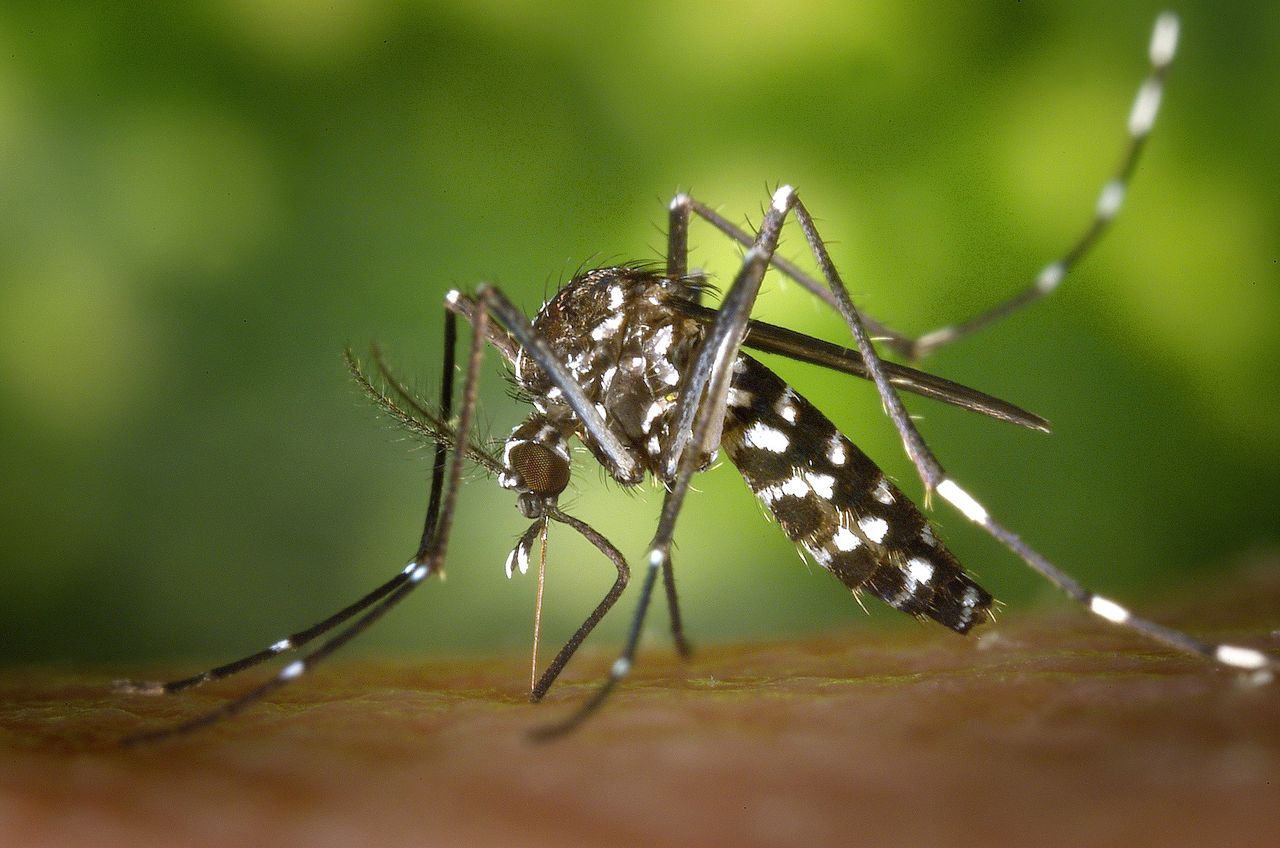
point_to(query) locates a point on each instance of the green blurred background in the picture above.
(202, 203)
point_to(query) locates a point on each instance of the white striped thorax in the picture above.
(627, 348)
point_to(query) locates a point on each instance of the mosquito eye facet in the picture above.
(543, 470)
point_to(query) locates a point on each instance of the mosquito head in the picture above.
(535, 464)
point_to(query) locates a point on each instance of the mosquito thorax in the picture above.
(616, 332)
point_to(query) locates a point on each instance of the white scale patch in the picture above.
(655, 410)
(836, 452)
(518, 558)
(739, 398)
(1240, 657)
(1145, 107)
(881, 492)
(1108, 609)
(786, 407)
(1164, 39)
(1110, 199)
(796, 487)
(874, 529)
(662, 340)
(608, 327)
(615, 297)
(919, 570)
(1050, 276)
(763, 436)
(963, 501)
(845, 539)
(822, 484)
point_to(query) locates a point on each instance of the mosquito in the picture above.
(630, 363)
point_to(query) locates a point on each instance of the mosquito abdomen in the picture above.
(830, 498)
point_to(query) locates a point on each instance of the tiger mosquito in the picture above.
(627, 360)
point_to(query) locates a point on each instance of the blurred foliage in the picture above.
(201, 203)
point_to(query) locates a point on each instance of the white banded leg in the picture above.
(301, 638)
(1142, 117)
(936, 479)
(428, 561)
(700, 411)
(1233, 656)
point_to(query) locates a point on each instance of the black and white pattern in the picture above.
(830, 498)
(630, 363)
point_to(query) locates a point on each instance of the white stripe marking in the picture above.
(919, 570)
(1164, 39)
(823, 484)
(874, 529)
(281, 646)
(835, 450)
(1240, 657)
(845, 539)
(963, 501)
(1110, 200)
(763, 436)
(795, 486)
(1108, 609)
(1145, 107)
(782, 197)
(1050, 276)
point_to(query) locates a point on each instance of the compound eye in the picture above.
(543, 470)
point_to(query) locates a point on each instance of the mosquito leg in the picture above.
(936, 479)
(289, 643)
(297, 640)
(602, 609)
(1142, 117)
(673, 606)
(441, 451)
(621, 666)
(789, 268)
(678, 236)
(678, 268)
(701, 418)
(428, 561)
